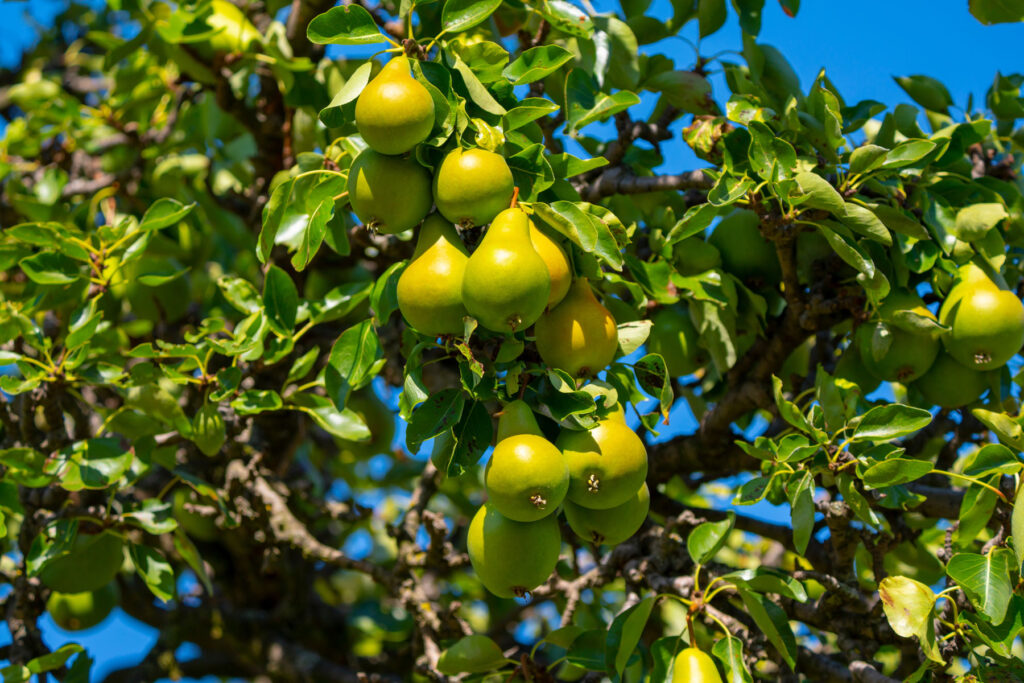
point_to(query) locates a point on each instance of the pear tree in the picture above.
(391, 341)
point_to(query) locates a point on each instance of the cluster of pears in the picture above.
(596, 477)
(82, 580)
(983, 329)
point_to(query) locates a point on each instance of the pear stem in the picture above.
(515, 197)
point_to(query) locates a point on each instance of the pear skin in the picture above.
(986, 325)
(526, 477)
(506, 283)
(517, 418)
(472, 186)
(579, 335)
(559, 271)
(512, 558)
(388, 194)
(394, 113)
(607, 464)
(611, 526)
(430, 288)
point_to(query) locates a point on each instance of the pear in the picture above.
(986, 324)
(394, 113)
(195, 525)
(559, 271)
(693, 666)
(512, 558)
(526, 477)
(506, 283)
(430, 288)
(388, 194)
(235, 33)
(745, 252)
(472, 186)
(948, 384)
(81, 611)
(611, 526)
(579, 335)
(607, 464)
(911, 351)
(674, 337)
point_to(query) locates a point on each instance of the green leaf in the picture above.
(773, 622)
(711, 16)
(1000, 637)
(907, 603)
(280, 301)
(312, 233)
(974, 222)
(459, 15)
(55, 659)
(355, 358)
(652, 376)
(439, 413)
(344, 25)
(864, 222)
(474, 654)
(536, 63)
(750, 15)
(588, 650)
(707, 538)
(624, 633)
(332, 115)
(926, 91)
(187, 549)
(907, 153)
(255, 401)
(801, 501)
(529, 109)
(477, 91)
(163, 213)
(819, 193)
(867, 158)
(94, 464)
(49, 268)
(769, 580)
(996, 11)
(1017, 529)
(985, 579)
(729, 651)
(788, 410)
(208, 430)
(567, 18)
(585, 103)
(154, 569)
(992, 459)
(344, 424)
(895, 471)
(154, 516)
(891, 421)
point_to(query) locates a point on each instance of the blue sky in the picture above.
(863, 49)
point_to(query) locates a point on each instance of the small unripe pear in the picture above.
(948, 384)
(579, 335)
(395, 112)
(81, 611)
(388, 194)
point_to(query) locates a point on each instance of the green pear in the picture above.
(430, 288)
(235, 33)
(512, 558)
(948, 384)
(693, 666)
(80, 611)
(674, 337)
(388, 194)
(911, 351)
(986, 325)
(506, 283)
(611, 526)
(195, 525)
(745, 252)
(472, 186)
(395, 112)
(526, 477)
(579, 335)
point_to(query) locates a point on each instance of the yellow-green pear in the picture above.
(430, 288)
(526, 477)
(579, 335)
(512, 558)
(235, 33)
(611, 526)
(693, 666)
(559, 271)
(81, 611)
(388, 194)
(506, 283)
(607, 464)
(472, 186)
(394, 113)
(986, 325)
